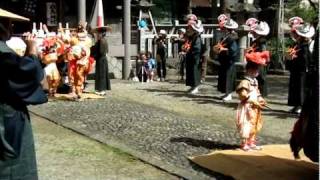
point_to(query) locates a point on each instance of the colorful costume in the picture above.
(249, 121)
(78, 66)
(49, 57)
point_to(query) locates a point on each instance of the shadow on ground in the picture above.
(216, 145)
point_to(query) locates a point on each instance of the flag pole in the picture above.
(127, 39)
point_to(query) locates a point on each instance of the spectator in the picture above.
(143, 67)
(161, 55)
(152, 65)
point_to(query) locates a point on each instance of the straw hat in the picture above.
(10, 15)
(262, 28)
(230, 24)
(305, 30)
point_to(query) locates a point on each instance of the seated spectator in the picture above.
(152, 65)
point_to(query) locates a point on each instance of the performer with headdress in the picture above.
(193, 55)
(228, 51)
(259, 30)
(78, 58)
(299, 57)
(249, 120)
(20, 78)
(305, 134)
(52, 50)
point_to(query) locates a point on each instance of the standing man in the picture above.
(100, 50)
(161, 55)
(193, 56)
(228, 52)
(298, 64)
(20, 78)
(259, 30)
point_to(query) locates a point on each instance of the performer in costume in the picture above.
(20, 78)
(193, 55)
(259, 30)
(78, 62)
(228, 52)
(86, 42)
(305, 134)
(299, 57)
(52, 50)
(249, 120)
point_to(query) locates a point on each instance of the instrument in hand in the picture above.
(252, 48)
(219, 47)
(186, 46)
(292, 52)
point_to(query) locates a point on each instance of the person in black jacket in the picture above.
(20, 78)
(305, 133)
(259, 31)
(228, 52)
(298, 66)
(193, 74)
(99, 51)
(161, 56)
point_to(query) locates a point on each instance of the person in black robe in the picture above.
(20, 86)
(259, 31)
(305, 133)
(193, 67)
(298, 67)
(99, 51)
(228, 54)
(161, 55)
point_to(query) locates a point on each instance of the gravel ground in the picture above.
(66, 155)
(163, 125)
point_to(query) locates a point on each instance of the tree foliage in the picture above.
(308, 14)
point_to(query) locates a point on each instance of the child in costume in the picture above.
(249, 120)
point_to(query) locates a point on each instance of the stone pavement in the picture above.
(161, 124)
